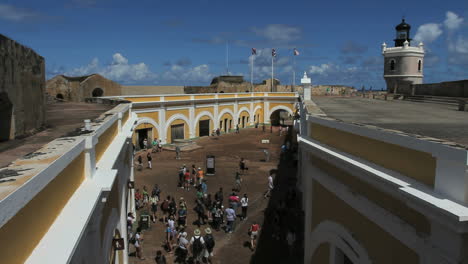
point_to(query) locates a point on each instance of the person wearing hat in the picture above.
(209, 244)
(197, 242)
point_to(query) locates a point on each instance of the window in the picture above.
(419, 65)
(392, 65)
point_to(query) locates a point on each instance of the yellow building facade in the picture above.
(173, 117)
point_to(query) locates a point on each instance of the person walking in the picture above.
(160, 145)
(237, 129)
(154, 145)
(230, 218)
(182, 217)
(244, 205)
(145, 143)
(169, 238)
(204, 187)
(138, 199)
(209, 244)
(182, 251)
(200, 210)
(242, 165)
(200, 176)
(145, 197)
(237, 182)
(217, 215)
(197, 243)
(177, 151)
(270, 186)
(154, 207)
(137, 243)
(219, 195)
(254, 228)
(148, 156)
(140, 163)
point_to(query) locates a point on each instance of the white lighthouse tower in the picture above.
(403, 63)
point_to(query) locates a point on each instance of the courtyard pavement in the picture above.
(228, 149)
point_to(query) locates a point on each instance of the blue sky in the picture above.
(184, 42)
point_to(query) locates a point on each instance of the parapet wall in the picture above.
(450, 89)
(22, 86)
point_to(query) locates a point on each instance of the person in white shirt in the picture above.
(270, 186)
(244, 205)
(183, 247)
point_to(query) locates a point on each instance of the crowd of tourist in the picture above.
(216, 211)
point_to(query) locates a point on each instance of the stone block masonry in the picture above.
(22, 90)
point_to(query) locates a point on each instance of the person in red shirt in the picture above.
(138, 198)
(187, 180)
(253, 234)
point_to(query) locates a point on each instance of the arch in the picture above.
(199, 116)
(281, 107)
(97, 92)
(147, 120)
(59, 96)
(178, 117)
(226, 127)
(244, 122)
(256, 118)
(339, 237)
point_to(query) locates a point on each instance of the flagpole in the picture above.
(272, 80)
(251, 73)
(294, 70)
(227, 58)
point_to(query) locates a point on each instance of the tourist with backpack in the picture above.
(230, 218)
(197, 242)
(209, 244)
(200, 210)
(217, 217)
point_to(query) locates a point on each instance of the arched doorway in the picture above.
(59, 96)
(97, 92)
(279, 117)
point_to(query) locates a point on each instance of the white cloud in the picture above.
(452, 21)
(428, 32)
(15, 14)
(321, 69)
(279, 32)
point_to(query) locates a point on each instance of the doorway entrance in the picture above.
(142, 134)
(177, 132)
(204, 128)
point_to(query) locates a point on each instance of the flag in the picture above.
(254, 51)
(296, 52)
(273, 52)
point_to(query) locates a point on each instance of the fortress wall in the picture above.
(22, 89)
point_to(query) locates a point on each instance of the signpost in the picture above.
(210, 165)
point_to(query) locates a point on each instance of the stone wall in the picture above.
(77, 89)
(150, 90)
(22, 90)
(332, 90)
(449, 89)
